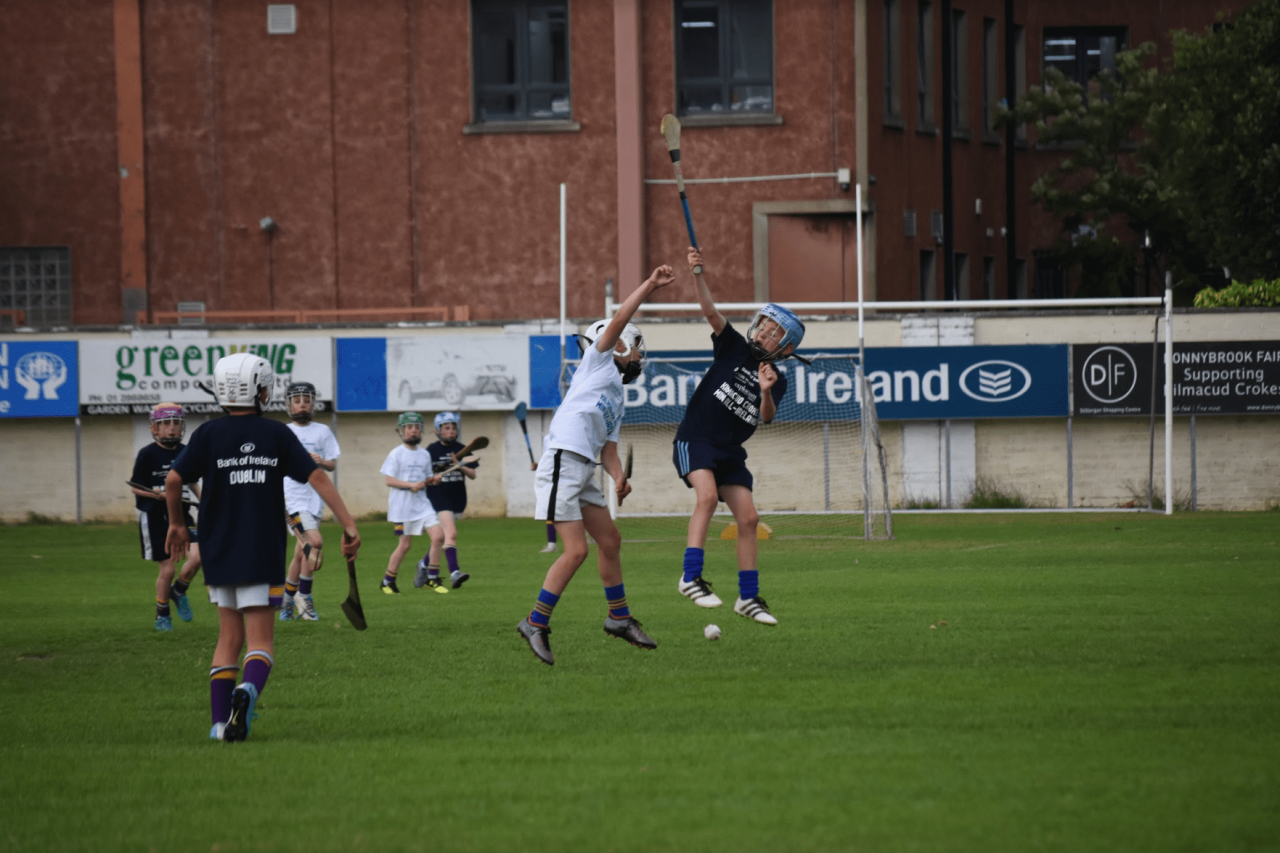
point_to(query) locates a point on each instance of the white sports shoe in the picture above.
(306, 608)
(754, 608)
(549, 548)
(699, 592)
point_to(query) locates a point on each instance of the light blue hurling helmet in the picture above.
(790, 332)
(448, 418)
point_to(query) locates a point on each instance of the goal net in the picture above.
(819, 467)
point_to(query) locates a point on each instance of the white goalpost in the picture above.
(819, 472)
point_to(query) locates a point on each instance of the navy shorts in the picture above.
(153, 529)
(728, 464)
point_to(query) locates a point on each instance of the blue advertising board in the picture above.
(39, 379)
(977, 382)
(908, 383)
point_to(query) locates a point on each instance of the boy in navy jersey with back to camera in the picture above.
(448, 498)
(242, 460)
(168, 422)
(741, 390)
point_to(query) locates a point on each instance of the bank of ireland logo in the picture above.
(995, 381)
(1109, 374)
(42, 374)
(247, 448)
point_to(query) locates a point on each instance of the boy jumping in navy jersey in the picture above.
(742, 389)
(242, 460)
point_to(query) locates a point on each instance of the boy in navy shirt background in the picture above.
(168, 422)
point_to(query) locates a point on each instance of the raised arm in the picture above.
(714, 317)
(661, 277)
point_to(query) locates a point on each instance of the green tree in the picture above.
(1188, 159)
(1216, 141)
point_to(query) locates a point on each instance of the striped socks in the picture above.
(257, 666)
(541, 613)
(617, 598)
(222, 681)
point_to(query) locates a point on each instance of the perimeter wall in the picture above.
(1237, 456)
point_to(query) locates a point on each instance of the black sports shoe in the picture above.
(629, 630)
(389, 587)
(538, 638)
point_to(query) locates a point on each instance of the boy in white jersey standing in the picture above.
(586, 426)
(303, 507)
(408, 473)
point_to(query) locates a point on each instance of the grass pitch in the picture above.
(1010, 682)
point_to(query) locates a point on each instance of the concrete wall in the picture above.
(1238, 457)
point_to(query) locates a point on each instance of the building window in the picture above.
(1020, 74)
(724, 56)
(1020, 278)
(924, 65)
(1051, 276)
(988, 278)
(990, 78)
(961, 272)
(892, 60)
(520, 56)
(959, 73)
(1081, 53)
(928, 279)
(37, 282)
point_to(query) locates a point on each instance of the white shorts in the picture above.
(564, 484)
(252, 595)
(415, 527)
(306, 519)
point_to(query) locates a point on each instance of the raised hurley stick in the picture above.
(522, 411)
(477, 443)
(671, 133)
(465, 460)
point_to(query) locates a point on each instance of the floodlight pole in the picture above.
(1168, 393)
(562, 277)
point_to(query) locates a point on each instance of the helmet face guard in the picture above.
(633, 340)
(300, 391)
(168, 413)
(408, 419)
(785, 330)
(448, 418)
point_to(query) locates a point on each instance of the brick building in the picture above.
(397, 154)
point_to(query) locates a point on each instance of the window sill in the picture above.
(963, 134)
(895, 123)
(535, 126)
(926, 129)
(989, 138)
(729, 119)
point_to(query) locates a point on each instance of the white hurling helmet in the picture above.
(237, 379)
(631, 339)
